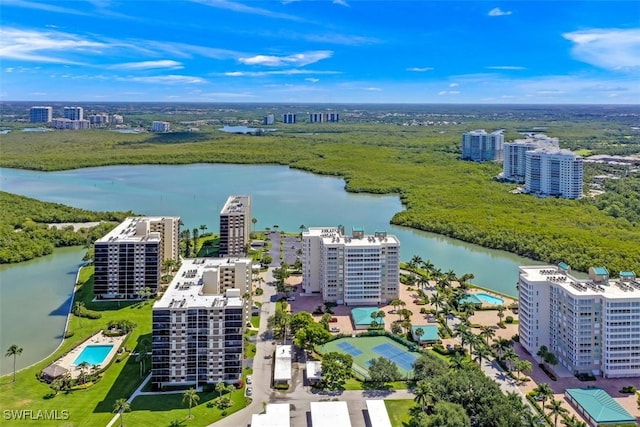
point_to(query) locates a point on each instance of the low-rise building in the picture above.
(282, 365)
(275, 415)
(330, 414)
(313, 369)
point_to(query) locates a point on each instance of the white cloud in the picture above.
(148, 65)
(227, 95)
(611, 49)
(505, 67)
(420, 69)
(297, 59)
(448, 92)
(43, 6)
(312, 80)
(168, 80)
(496, 11)
(453, 84)
(9, 70)
(275, 73)
(341, 3)
(373, 89)
(48, 46)
(243, 8)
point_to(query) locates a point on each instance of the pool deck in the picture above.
(67, 360)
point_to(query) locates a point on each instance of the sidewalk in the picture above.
(130, 399)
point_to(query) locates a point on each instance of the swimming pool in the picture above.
(93, 354)
(490, 299)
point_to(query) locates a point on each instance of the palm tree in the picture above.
(500, 346)
(14, 351)
(481, 352)
(456, 361)
(121, 406)
(195, 241)
(529, 419)
(556, 409)
(428, 266)
(500, 313)
(190, 397)
(77, 310)
(83, 366)
(523, 366)
(203, 227)
(436, 300)
(419, 333)
(510, 356)
(544, 391)
(573, 421)
(221, 388)
(425, 396)
(487, 332)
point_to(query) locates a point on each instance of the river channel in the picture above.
(35, 295)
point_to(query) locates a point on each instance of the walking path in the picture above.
(130, 399)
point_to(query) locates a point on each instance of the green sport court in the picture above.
(364, 349)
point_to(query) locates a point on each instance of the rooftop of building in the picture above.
(610, 288)
(378, 414)
(275, 415)
(601, 407)
(282, 365)
(484, 132)
(430, 332)
(362, 315)
(126, 231)
(555, 151)
(330, 414)
(236, 205)
(186, 288)
(314, 369)
(356, 238)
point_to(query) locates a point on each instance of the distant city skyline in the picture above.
(331, 51)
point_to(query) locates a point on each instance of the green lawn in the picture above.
(255, 321)
(161, 410)
(399, 411)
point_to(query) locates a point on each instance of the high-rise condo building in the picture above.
(40, 114)
(316, 117)
(73, 113)
(235, 225)
(332, 117)
(158, 126)
(480, 146)
(269, 120)
(553, 172)
(68, 124)
(99, 119)
(592, 326)
(350, 269)
(197, 330)
(129, 258)
(514, 164)
(289, 118)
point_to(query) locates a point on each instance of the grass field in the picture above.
(362, 349)
(399, 411)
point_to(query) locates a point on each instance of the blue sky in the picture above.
(321, 51)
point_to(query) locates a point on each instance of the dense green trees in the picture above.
(336, 369)
(25, 234)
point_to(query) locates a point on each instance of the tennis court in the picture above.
(364, 349)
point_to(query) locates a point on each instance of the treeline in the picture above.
(25, 233)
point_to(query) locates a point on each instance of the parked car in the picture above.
(249, 391)
(291, 299)
(335, 329)
(268, 356)
(249, 379)
(333, 320)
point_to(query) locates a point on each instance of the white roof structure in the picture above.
(330, 414)
(275, 415)
(378, 415)
(314, 370)
(282, 366)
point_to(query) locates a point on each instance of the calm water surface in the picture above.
(281, 196)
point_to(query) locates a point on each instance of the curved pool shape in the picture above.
(489, 299)
(93, 354)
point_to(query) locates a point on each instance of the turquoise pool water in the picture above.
(93, 354)
(490, 299)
